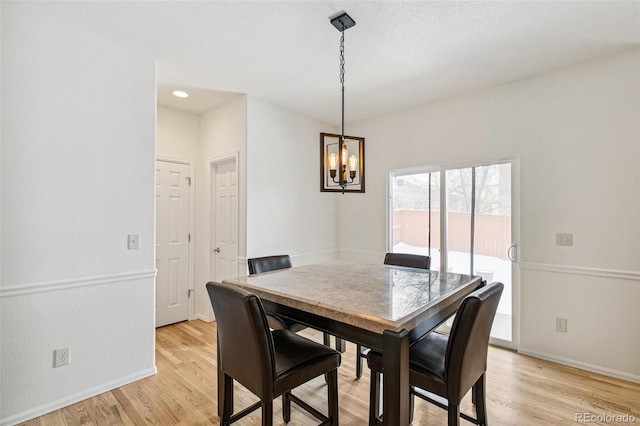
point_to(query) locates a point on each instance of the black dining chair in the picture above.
(395, 259)
(408, 260)
(448, 366)
(259, 265)
(268, 363)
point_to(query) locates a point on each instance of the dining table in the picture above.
(379, 306)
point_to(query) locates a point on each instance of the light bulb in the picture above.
(353, 163)
(333, 161)
(345, 154)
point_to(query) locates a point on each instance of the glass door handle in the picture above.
(512, 253)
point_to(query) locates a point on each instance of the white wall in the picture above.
(286, 212)
(1, 68)
(577, 134)
(223, 133)
(78, 136)
(178, 134)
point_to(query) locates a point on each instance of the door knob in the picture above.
(217, 249)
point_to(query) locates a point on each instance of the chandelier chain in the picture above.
(342, 59)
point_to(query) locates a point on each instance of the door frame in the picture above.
(191, 279)
(213, 164)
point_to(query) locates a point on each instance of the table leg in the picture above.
(395, 349)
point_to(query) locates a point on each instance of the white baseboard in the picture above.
(202, 317)
(72, 399)
(313, 256)
(634, 378)
(362, 255)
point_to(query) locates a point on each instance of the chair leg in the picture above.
(412, 403)
(326, 340)
(227, 395)
(358, 361)
(453, 414)
(267, 413)
(332, 397)
(374, 397)
(220, 382)
(286, 407)
(341, 345)
(481, 401)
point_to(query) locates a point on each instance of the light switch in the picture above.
(133, 241)
(564, 239)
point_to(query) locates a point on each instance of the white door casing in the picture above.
(224, 219)
(173, 240)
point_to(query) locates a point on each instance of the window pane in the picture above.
(414, 230)
(459, 220)
(493, 237)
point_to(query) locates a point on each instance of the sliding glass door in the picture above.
(462, 218)
(415, 215)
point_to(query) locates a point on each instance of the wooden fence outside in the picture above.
(492, 232)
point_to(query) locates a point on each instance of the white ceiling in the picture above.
(400, 53)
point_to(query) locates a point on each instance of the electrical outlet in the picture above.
(60, 357)
(564, 240)
(561, 324)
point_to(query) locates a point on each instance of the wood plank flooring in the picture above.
(521, 391)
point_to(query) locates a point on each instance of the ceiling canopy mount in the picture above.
(343, 22)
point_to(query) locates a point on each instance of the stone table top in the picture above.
(373, 297)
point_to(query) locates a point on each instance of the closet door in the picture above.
(172, 242)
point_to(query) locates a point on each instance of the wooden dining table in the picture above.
(378, 306)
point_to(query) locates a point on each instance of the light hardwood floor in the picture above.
(521, 391)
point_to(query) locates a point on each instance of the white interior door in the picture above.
(172, 242)
(224, 250)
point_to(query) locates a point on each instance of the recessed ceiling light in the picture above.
(180, 94)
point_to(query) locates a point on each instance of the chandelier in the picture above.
(342, 157)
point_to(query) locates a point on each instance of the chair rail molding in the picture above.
(44, 287)
(581, 270)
